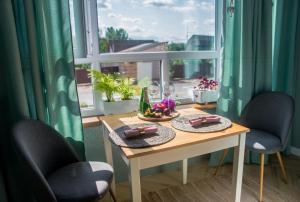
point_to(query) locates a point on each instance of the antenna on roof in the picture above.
(187, 31)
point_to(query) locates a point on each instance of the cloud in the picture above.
(190, 5)
(189, 21)
(113, 15)
(123, 18)
(207, 6)
(131, 20)
(132, 25)
(209, 21)
(136, 29)
(104, 4)
(184, 7)
(159, 3)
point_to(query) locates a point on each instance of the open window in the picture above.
(159, 41)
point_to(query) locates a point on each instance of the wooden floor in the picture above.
(203, 186)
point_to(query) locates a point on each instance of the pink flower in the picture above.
(171, 104)
(207, 84)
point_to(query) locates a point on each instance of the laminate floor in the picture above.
(203, 186)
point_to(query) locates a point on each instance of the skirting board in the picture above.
(295, 151)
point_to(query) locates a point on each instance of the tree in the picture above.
(176, 46)
(121, 34)
(174, 64)
(112, 35)
(103, 45)
(116, 34)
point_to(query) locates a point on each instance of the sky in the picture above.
(160, 20)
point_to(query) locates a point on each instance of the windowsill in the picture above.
(95, 121)
(92, 121)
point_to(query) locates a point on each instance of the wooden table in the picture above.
(185, 145)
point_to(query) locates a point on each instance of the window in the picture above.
(156, 25)
(162, 41)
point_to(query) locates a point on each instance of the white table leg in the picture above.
(184, 170)
(238, 164)
(108, 154)
(134, 179)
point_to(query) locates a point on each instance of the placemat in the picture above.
(163, 135)
(182, 123)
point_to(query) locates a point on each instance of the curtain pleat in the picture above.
(286, 60)
(247, 67)
(37, 69)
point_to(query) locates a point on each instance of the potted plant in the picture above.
(127, 91)
(110, 85)
(206, 91)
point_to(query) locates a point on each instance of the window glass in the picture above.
(84, 86)
(156, 25)
(184, 75)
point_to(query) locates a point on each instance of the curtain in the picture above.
(37, 79)
(247, 65)
(286, 60)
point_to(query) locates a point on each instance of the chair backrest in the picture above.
(271, 112)
(43, 151)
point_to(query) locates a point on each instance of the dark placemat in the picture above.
(163, 135)
(182, 123)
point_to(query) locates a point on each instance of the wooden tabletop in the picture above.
(182, 138)
(205, 106)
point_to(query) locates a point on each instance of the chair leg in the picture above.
(225, 152)
(112, 195)
(261, 183)
(282, 167)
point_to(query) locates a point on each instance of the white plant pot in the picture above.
(205, 96)
(120, 107)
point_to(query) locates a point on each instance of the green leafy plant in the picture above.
(106, 83)
(112, 83)
(83, 105)
(126, 89)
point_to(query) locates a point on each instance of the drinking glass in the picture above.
(169, 90)
(154, 89)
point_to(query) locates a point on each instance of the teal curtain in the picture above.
(37, 69)
(247, 65)
(286, 60)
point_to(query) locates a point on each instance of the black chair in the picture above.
(269, 116)
(54, 171)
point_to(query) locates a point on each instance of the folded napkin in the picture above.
(203, 120)
(135, 132)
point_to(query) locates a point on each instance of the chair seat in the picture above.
(263, 142)
(81, 181)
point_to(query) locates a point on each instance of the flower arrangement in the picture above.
(166, 103)
(163, 108)
(207, 84)
(206, 91)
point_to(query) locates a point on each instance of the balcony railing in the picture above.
(164, 57)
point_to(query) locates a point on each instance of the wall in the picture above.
(95, 152)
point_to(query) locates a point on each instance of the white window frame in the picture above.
(164, 56)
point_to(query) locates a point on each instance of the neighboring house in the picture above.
(195, 68)
(137, 70)
(200, 42)
(120, 45)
